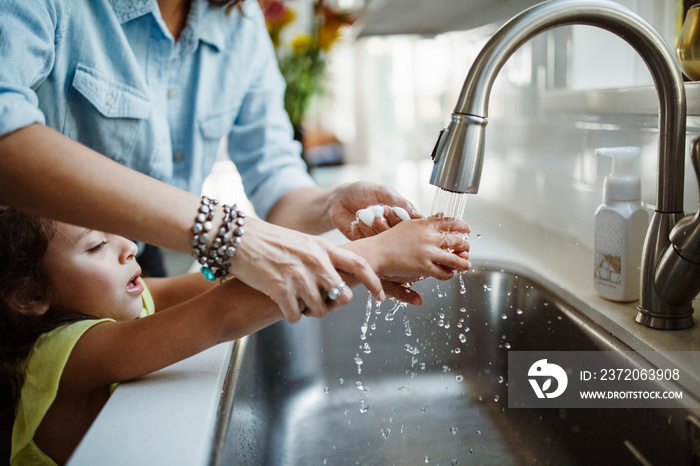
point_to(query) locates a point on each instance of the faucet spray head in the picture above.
(459, 154)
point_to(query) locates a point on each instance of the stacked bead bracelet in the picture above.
(216, 259)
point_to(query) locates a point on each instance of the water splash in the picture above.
(392, 312)
(462, 286)
(368, 314)
(406, 324)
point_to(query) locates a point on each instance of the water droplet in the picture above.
(471, 450)
(496, 398)
(488, 288)
(364, 407)
(411, 349)
(504, 317)
(446, 369)
(454, 461)
(447, 325)
(358, 361)
(466, 329)
(507, 345)
(462, 338)
(326, 390)
(478, 432)
(453, 430)
(366, 348)
(463, 309)
(462, 287)
(441, 323)
(360, 386)
(427, 459)
(386, 433)
(500, 379)
(458, 350)
(459, 378)
(342, 381)
(519, 311)
(363, 330)
(478, 235)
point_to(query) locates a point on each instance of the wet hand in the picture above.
(347, 200)
(297, 270)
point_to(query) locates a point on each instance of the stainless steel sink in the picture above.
(436, 394)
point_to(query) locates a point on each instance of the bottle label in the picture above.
(608, 270)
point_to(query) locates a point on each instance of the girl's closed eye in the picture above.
(98, 247)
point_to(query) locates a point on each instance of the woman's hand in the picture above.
(346, 200)
(297, 270)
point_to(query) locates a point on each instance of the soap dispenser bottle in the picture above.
(620, 227)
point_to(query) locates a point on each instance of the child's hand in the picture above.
(414, 249)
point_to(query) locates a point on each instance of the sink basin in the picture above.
(428, 384)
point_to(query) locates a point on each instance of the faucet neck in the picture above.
(475, 93)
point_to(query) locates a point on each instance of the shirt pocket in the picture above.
(213, 128)
(110, 117)
(217, 126)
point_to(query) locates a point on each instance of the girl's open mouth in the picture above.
(135, 285)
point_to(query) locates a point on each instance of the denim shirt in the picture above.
(109, 74)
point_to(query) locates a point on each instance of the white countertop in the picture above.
(169, 417)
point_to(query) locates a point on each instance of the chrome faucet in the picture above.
(459, 151)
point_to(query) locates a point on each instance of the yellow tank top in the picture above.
(43, 369)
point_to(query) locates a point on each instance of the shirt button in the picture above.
(109, 99)
(178, 157)
(172, 93)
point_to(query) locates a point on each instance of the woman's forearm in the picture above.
(46, 173)
(302, 209)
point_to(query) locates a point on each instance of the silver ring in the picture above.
(334, 293)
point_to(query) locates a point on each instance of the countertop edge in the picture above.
(167, 417)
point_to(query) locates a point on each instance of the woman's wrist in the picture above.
(214, 243)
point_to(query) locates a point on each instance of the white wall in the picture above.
(539, 165)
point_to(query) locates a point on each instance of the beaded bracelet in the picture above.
(216, 261)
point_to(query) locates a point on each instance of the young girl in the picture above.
(76, 318)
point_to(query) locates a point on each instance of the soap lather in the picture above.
(620, 227)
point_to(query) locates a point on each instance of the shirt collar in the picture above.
(126, 10)
(205, 20)
(207, 23)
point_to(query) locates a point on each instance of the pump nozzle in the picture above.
(622, 184)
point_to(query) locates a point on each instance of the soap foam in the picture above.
(368, 214)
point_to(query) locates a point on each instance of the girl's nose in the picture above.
(128, 250)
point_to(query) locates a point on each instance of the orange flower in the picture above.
(330, 22)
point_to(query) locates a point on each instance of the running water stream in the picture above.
(449, 203)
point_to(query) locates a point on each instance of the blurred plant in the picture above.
(302, 61)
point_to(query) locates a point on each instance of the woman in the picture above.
(155, 86)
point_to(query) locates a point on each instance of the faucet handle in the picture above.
(695, 158)
(685, 236)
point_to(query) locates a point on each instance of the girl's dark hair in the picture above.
(24, 239)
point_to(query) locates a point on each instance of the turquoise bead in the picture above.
(208, 273)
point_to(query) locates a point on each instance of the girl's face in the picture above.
(93, 273)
